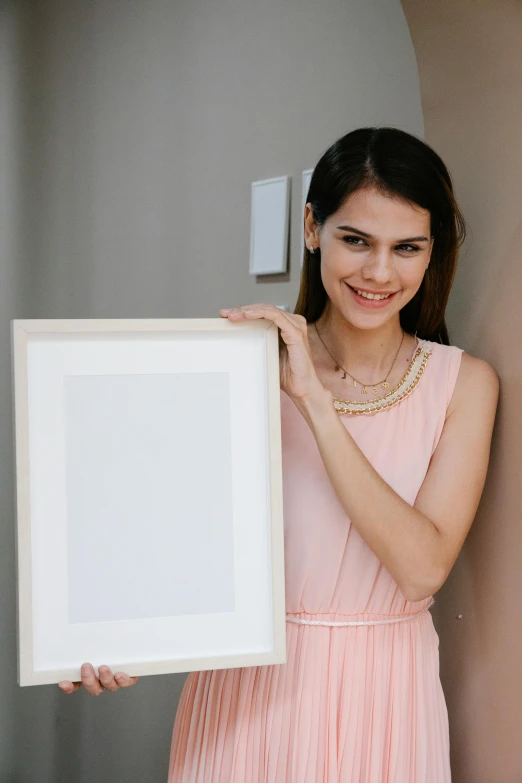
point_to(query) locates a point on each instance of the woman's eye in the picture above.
(354, 240)
(409, 248)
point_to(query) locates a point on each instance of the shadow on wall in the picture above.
(470, 69)
(480, 655)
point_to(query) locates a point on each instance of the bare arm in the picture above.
(417, 544)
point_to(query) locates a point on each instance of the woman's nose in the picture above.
(379, 267)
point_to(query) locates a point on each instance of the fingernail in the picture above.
(226, 309)
(86, 668)
(118, 677)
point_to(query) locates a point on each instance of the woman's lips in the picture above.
(371, 304)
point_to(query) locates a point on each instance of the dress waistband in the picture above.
(391, 619)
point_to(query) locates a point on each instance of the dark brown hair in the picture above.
(397, 164)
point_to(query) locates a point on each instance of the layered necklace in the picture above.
(364, 386)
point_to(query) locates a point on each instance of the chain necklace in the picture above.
(383, 384)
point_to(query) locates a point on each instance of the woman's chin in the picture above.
(369, 320)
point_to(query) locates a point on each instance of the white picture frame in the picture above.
(269, 226)
(149, 496)
(306, 176)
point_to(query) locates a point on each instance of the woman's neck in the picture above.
(367, 353)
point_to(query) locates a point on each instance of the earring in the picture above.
(312, 249)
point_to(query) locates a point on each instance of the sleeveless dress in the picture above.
(352, 704)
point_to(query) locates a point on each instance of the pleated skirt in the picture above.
(350, 705)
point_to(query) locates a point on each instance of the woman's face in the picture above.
(374, 244)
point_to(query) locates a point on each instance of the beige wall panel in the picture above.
(470, 70)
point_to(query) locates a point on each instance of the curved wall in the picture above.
(471, 87)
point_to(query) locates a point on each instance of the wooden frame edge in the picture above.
(20, 331)
(78, 325)
(165, 666)
(23, 549)
(276, 490)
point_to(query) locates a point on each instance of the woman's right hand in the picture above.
(107, 681)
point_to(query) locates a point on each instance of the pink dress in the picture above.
(353, 704)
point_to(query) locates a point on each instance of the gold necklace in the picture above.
(405, 387)
(383, 384)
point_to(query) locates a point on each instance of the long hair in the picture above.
(398, 164)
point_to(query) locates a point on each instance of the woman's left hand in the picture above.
(298, 376)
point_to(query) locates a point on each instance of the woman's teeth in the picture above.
(371, 296)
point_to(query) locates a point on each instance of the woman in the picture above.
(386, 438)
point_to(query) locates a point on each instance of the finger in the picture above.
(107, 678)
(259, 310)
(292, 326)
(90, 682)
(69, 687)
(124, 680)
(232, 312)
(272, 311)
(240, 312)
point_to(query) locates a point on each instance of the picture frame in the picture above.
(269, 226)
(149, 496)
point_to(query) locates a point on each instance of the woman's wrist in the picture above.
(316, 405)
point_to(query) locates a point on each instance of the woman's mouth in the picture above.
(371, 301)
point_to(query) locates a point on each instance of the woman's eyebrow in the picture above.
(369, 236)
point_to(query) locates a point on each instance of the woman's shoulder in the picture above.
(443, 351)
(474, 377)
(444, 363)
(469, 366)
(476, 373)
(461, 375)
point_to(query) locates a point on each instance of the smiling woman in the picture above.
(377, 271)
(383, 194)
(380, 489)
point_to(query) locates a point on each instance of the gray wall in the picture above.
(141, 126)
(11, 301)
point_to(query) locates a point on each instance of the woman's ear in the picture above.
(310, 227)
